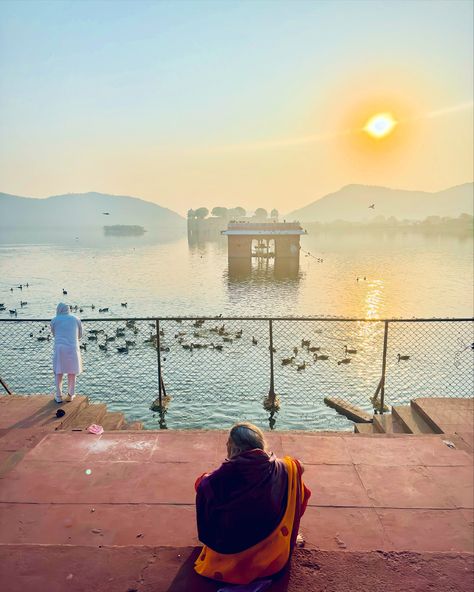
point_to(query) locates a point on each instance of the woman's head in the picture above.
(244, 436)
(62, 308)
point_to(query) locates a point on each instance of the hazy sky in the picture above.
(251, 103)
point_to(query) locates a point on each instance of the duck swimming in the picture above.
(349, 351)
(344, 361)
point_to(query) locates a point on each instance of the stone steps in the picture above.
(113, 420)
(93, 413)
(68, 567)
(363, 428)
(387, 424)
(80, 414)
(39, 414)
(434, 425)
(411, 420)
(404, 419)
(133, 425)
(72, 410)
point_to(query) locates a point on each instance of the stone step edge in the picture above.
(417, 419)
(427, 418)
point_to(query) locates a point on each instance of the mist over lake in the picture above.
(406, 274)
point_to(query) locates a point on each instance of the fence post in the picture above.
(271, 392)
(384, 366)
(5, 386)
(158, 356)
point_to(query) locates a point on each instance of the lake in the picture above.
(370, 276)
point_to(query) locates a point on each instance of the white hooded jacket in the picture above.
(67, 330)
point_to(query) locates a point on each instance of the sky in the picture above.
(235, 103)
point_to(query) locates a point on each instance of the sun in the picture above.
(380, 125)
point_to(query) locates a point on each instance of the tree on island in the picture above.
(219, 212)
(274, 213)
(191, 214)
(261, 213)
(239, 212)
(201, 213)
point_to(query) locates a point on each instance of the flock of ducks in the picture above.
(316, 355)
(308, 254)
(105, 341)
(125, 337)
(14, 311)
(74, 307)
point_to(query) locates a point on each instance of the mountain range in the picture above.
(352, 203)
(80, 210)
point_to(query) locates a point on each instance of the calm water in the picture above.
(405, 276)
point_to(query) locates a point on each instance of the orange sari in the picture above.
(269, 556)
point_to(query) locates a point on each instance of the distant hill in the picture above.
(351, 203)
(80, 210)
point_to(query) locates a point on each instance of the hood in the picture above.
(62, 309)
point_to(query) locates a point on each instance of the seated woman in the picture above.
(248, 510)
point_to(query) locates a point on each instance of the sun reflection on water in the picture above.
(374, 299)
(369, 337)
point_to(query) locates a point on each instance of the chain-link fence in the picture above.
(217, 371)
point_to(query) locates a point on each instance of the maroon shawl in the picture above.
(242, 502)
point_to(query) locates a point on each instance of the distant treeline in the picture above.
(463, 224)
(230, 213)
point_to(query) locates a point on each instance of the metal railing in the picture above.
(209, 372)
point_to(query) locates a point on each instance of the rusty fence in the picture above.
(208, 372)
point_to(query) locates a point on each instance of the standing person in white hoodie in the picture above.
(67, 330)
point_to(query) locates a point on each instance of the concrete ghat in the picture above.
(116, 512)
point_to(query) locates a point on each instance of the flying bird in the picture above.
(372, 206)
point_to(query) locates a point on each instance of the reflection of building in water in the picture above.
(241, 269)
(263, 248)
(207, 229)
(204, 243)
(264, 240)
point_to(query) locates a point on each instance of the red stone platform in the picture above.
(116, 512)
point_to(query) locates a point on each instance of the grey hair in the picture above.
(245, 436)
